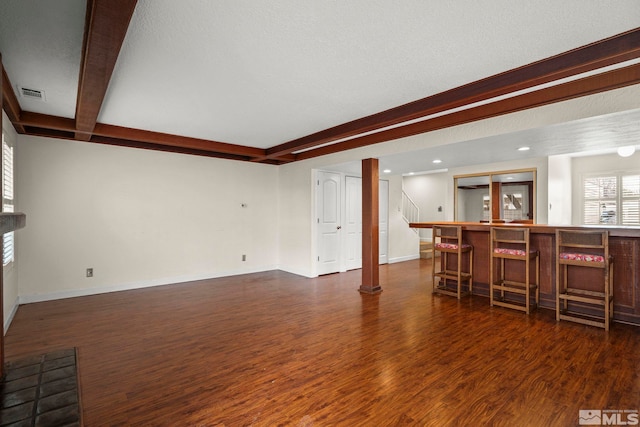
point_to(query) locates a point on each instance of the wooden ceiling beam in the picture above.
(95, 76)
(167, 148)
(106, 25)
(591, 57)
(44, 121)
(611, 80)
(45, 125)
(118, 132)
(10, 102)
(285, 158)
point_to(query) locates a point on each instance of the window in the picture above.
(604, 203)
(486, 207)
(512, 206)
(8, 204)
(631, 200)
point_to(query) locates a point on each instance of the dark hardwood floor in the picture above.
(273, 349)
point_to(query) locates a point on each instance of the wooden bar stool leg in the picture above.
(565, 302)
(443, 280)
(527, 295)
(471, 272)
(491, 279)
(558, 274)
(459, 275)
(537, 279)
(433, 270)
(607, 295)
(610, 291)
(502, 278)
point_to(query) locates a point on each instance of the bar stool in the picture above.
(448, 241)
(511, 243)
(585, 250)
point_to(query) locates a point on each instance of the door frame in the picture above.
(315, 250)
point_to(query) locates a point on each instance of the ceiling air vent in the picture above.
(34, 94)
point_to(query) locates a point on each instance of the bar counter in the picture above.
(624, 245)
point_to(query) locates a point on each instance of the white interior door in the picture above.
(383, 240)
(353, 222)
(329, 226)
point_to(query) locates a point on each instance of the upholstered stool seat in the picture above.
(448, 241)
(581, 257)
(508, 245)
(587, 251)
(451, 246)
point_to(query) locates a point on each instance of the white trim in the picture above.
(28, 299)
(404, 258)
(14, 310)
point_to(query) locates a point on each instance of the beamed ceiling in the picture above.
(282, 81)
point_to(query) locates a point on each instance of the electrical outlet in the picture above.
(244, 257)
(89, 272)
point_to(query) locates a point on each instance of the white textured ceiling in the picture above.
(41, 46)
(260, 73)
(596, 135)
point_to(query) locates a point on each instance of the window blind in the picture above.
(600, 202)
(631, 200)
(612, 199)
(8, 205)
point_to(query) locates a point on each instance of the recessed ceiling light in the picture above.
(411, 173)
(387, 171)
(437, 161)
(509, 177)
(626, 151)
(524, 149)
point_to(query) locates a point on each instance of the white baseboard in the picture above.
(72, 293)
(14, 310)
(404, 258)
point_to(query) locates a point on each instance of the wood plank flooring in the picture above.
(273, 348)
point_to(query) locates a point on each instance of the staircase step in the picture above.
(427, 254)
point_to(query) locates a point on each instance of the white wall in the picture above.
(559, 190)
(296, 240)
(142, 218)
(404, 243)
(138, 218)
(539, 163)
(581, 166)
(10, 277)
(471, 204)
(429, 192)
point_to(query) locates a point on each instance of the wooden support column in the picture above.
(370, 228)
(530, 192)
(496, 199)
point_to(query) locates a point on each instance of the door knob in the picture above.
(338, 227)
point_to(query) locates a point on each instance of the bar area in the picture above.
(623, 246)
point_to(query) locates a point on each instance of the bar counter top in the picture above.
(614, 230)
(624, 245)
